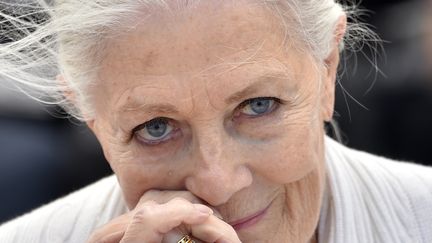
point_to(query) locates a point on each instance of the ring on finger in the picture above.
(186, 239)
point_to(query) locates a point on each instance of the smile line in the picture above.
(249, 220)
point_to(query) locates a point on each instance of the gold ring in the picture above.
(186, 239)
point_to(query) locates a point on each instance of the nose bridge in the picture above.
(217, 173)
(209, 144)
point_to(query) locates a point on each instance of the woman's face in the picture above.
(213, 101)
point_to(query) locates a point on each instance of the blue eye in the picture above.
(155, 130)
(258, 106)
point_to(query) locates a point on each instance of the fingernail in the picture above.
(203, 209)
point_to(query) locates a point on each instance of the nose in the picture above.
(219, 171)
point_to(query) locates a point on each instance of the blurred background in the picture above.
(388, 113)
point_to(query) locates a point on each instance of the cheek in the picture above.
(289, 156)
(133, 181)
(136, 177)
(138, 171)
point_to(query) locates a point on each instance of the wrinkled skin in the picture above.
(196, 68)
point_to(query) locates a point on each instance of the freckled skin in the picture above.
(238, 166)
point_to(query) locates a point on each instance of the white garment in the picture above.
(374, 200)
(369, 199)
(70, 219)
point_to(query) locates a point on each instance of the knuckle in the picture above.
(182, 207)
(152, 193)
(180, 203)
(166, 196)
(190, 197)
(144, 206)
(144, 213)
(149, 203)
(179, 200)
(96, 236)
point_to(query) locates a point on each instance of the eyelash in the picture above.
(176, 131)
(277, 103)
(173, 133)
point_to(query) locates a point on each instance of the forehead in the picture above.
(201, 36)
(209, 42)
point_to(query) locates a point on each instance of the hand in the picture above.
(164, 217)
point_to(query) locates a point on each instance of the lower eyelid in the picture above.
(275, 106)
(149, 142)
(172, 135)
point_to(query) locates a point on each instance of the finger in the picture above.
(113, 231)
(176, 237)
(166, 196)
(112, 238)
(188, 214)
(151, 222)
(215, 230)
(173, 236)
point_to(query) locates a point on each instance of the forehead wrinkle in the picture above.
(127, 94)
(263, 69)
(248, 59)
(251, 56)
(266, 67)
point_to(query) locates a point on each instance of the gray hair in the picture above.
(66, 37)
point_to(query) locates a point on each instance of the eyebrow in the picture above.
(150, 108)
(240, 96)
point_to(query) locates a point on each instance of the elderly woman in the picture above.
(211, 115)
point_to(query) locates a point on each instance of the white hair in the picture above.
(45, 38)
